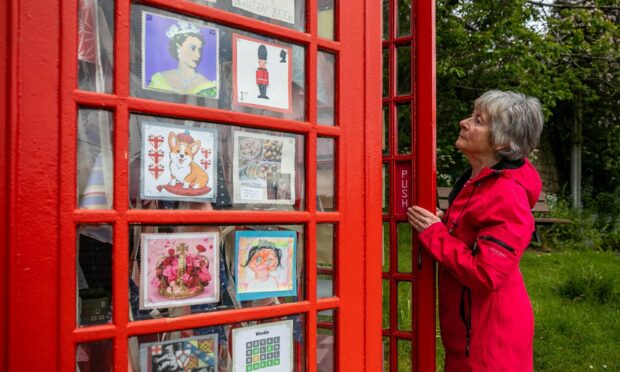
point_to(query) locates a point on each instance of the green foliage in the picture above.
(589, 284)
(595, 228)
(568, 57)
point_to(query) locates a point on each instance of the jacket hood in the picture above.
(521, 171)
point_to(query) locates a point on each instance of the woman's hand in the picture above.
(421, 219)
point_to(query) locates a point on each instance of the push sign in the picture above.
(402, 195)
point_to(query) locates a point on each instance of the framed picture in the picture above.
(264, 347)
(282, 10)
(262, 74)
(179, 269)
(179, 56)
(192, 354)
(263, 168)
(265, 264)
(178, 163)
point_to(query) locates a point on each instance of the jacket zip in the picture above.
(465, 313)
(465, 305)
(496, 241)
(456, 222)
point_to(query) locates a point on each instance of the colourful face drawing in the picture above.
(264, 261)
(190, 51)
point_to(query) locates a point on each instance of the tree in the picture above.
(588, 37)
(564, 53)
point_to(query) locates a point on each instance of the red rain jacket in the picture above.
(486, 317)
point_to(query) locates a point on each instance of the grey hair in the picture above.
(516, 122)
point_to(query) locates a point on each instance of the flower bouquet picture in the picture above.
(179, 269)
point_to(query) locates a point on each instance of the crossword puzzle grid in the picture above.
(262, 353)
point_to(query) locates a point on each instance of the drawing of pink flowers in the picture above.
(180, 273)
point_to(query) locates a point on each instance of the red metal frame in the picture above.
(373, 170)
(422, 161)
(40, 106)
(121, 216)
(426, 171)
(5, 115)
(31, 143)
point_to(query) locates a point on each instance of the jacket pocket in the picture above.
(496, 241)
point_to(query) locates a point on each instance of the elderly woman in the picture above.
(487, 323)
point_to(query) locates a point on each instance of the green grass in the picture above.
(577, 309)
(576, 300)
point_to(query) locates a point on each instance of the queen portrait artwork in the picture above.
(179, 56)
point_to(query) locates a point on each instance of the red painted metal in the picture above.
(351, 243)
(40, 106)
(426, 185)
(420, 166)
(32, 247)
(402, 192)
(5, 117)
(396, 165)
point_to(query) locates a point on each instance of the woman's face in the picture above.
(475, 135)
(265, 260)
(190, 52)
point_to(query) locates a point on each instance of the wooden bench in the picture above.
(541, 209)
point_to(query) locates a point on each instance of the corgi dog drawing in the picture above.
(183, 169)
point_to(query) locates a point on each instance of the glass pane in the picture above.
(325, 174)
(405, 357)
(94, 356)
(386, 246)
(405, 247)
(186, 269)
(403, 70)
(385, 200)
(180, 59)
(386, 19)
(270, 344)
(325, 286)
(325, 345)
(326, 316)
(386, 304)
(326, 64)
(223, 167)
(287, 13)
(325, 260)
(404, 306)
(386, 73)
(404, 18)
(386, 354)
(385, 131)
(95, 160)
(325, 245)
(326, 19)
(94, 274)
(95, 45)
(403, 113)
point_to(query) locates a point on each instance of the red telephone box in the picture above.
(196, 184)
